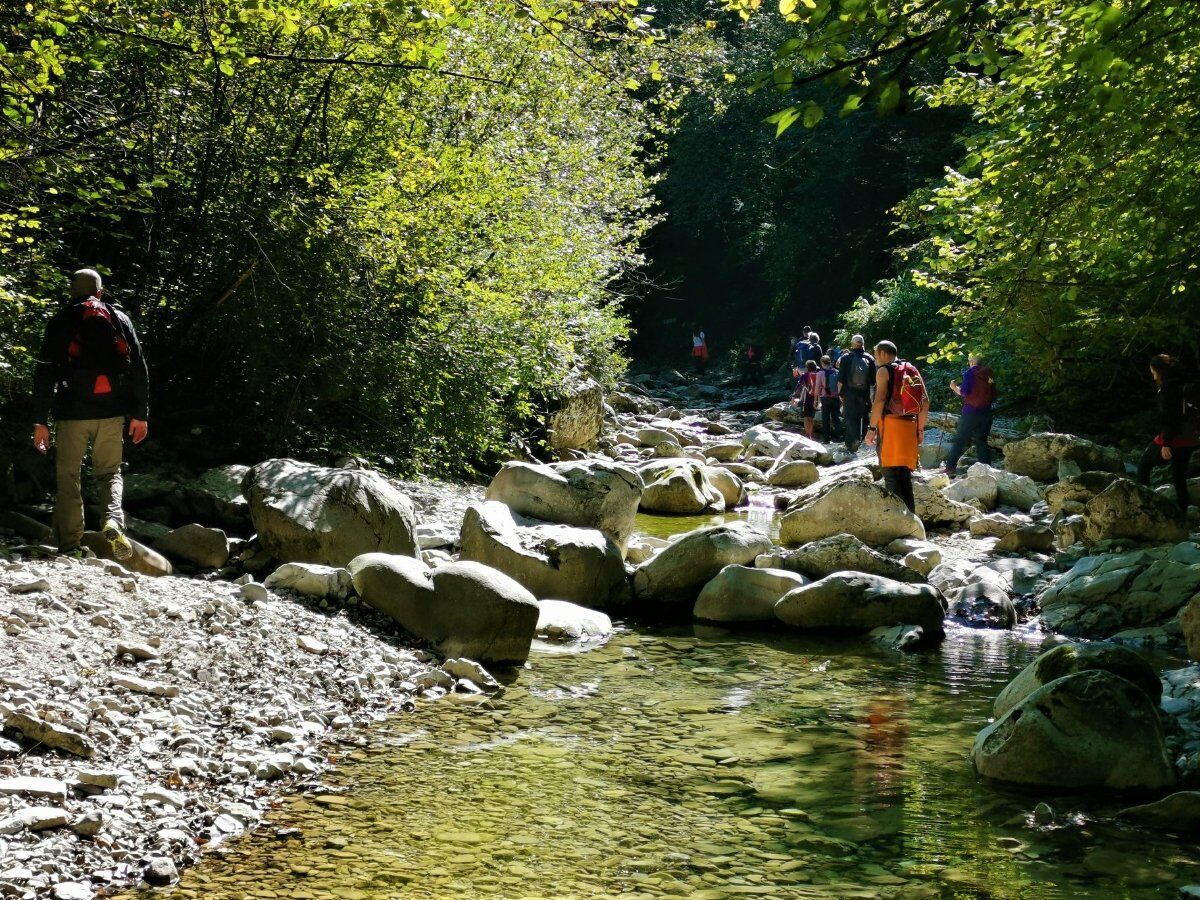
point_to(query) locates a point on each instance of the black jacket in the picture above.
(1170, 410)
(53, 391)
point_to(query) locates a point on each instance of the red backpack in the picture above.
(98, 353)
(983, 388)
(906, 389)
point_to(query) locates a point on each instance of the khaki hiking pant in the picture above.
(71, 440)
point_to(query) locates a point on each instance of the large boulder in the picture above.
(1109, 592)
(1078, 489)
(308, 513)
(1019, 491)
(312, 580)
(196, 545)
(852, 505)
(793, 473)
(679, 487)
(400, 587)
(561, 622)
(1126, 510)
(761, 440)
(215, 498)
(1067, 659)
(844, 553)
(1038, 455)
(1189, 624)
(744, 594)
(978, 486)
(578, 414)
(1088, 729)
(935, 507)
(729, 485)
(725, 451)
(552, 561)
(857, 602)
(595, 494)
(461, 608)
(678, 572)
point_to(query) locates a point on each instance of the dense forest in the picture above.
(395, 230)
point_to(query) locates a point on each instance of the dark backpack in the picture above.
(1190, 421)
(98, 354)
(859, 376)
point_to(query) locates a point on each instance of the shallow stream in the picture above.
(698, 763)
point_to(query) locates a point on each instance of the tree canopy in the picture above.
(364, 226)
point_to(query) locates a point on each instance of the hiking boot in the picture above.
(115, 535)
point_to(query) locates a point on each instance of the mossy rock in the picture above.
(1067, 659)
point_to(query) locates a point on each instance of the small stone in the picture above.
(89, 824)
(254, 592)
(161, 871)
(34, 818)
(136, 649)
(73, 890)
(145, 686)
(29, 587)
(163, 796)
(311, 645)
(128, 585)
(51, 735)
(28, 786)
(97, 778)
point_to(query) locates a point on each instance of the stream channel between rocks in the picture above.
(703, 763)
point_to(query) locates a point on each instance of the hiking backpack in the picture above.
(906, 389)
(860, 372)
(831, 381)
(983, 388)
(98, 354)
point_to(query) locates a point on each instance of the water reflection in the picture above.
(672, 764)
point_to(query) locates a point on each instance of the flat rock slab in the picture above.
(28, 786)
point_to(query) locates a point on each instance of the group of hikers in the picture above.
(92, 383)
(882, 399)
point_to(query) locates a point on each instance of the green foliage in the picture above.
(1065, 235)
(762, 236)
(340, 226)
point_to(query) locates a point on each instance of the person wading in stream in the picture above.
(90, 375)
(898, 419)
(1179, 426)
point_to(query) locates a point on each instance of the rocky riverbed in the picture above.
(154, 711)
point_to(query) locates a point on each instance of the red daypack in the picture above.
(983, 388)
(98, 354)
(906, 389)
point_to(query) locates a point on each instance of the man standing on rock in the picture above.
(90, 375)
(856, 375)
(898, 419)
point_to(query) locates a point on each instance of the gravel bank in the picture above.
(147, 719)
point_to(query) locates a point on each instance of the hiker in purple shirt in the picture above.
(978, 392)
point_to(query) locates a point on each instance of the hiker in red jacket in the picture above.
(90, 377)
(978, 392)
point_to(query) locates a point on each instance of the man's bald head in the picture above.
(85, 283)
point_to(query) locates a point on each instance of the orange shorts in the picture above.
(899, 443)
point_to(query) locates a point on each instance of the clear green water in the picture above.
(698, 763)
